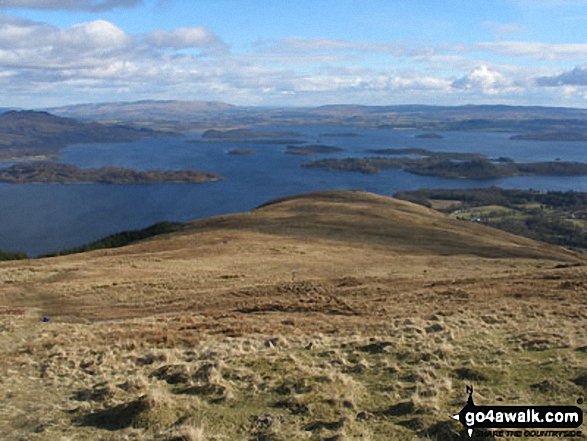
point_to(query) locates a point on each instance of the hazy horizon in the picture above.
(293, 106)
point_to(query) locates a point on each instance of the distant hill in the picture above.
(360, 217)
(25, 134)
(365, 219)
(204, 115)
(159, 113)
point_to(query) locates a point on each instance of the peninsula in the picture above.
(30, 135)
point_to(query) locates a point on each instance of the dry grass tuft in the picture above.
(154, 411)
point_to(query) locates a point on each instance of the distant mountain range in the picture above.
(201, 115)
(141, 110)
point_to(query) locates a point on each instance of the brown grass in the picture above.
(338, 315)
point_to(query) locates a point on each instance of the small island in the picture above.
(429, 136)
(309, 150)
(241, 151)
(59, 173)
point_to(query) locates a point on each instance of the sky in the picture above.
(294, 53)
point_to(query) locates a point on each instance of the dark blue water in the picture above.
(39, 218)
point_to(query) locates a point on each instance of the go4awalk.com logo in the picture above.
(536, 421)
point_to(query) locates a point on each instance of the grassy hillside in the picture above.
(331, 315)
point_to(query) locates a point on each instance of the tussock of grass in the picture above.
(153, 411)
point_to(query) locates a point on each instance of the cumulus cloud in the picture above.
(98, 34)
(25, 43)
(80, 5)
(484, 80)
(29, 44)
(94, 58)
(575, 77)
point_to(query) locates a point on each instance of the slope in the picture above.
(330, 315)
(319, 236)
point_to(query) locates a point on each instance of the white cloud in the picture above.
(183, 38)
(81, 5)
(95, 60)
(535, 50)
(29, 45)
(485, 80)
(574, 77)
(98, 34)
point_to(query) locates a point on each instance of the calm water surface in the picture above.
(38, 218)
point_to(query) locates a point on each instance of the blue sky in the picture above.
(286, 53)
